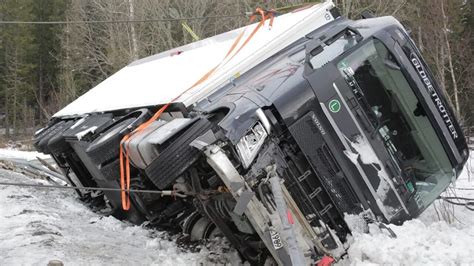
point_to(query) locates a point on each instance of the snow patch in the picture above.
(416, 244)
(364, 151)
(352, 156)
(383, 189)
(16, 154)
(427, 240)
(38, 225)
(362, 147)
(356, 223)
(83, 133)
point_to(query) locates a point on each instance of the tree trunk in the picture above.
(450, 62)
(420, 32)
(14, 100)
(7, 114)
(132, 30)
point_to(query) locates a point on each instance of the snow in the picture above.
(428, 240)
(83, 133)
(362, 147)
(367, 155)
(38, 225)
(51, 224)
(16, 154)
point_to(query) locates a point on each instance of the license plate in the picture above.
(276, 240)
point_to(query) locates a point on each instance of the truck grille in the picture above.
(326, 158)
(323, 163)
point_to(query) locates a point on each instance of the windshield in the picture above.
(399, 119)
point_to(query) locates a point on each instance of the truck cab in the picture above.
(354, 107)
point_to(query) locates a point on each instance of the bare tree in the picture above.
(450, 59)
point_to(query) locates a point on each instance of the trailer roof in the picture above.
(158, 79)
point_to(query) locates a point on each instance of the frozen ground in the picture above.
(37, 226)
(16, 154)
(428, 240)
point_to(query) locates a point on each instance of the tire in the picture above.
(133, 215)
(45, 130)
(177, 156)
(201, 229)
(190, 221)
(43, 142)
(38, 137)
(57, 144)
(100, 122)
(106, 147)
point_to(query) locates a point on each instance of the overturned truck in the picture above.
(318, 117)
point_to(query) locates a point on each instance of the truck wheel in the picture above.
(202, 229)
(106, 146)
(51, 132)
(57, 144)
(39, 136)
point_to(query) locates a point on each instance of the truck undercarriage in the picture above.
(276, 158)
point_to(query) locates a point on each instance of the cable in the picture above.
(280, 10)
(463, 188)
(468, 202)
(161, 192)
(118, 21)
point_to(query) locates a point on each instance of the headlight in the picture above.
(249, 145)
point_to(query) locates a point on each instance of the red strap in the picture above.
(124, 156)
(326, 261)
(290, 217)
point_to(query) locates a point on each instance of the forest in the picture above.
(52, 51)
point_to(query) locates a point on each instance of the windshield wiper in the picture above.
(374, 119)
(357, 90)
(390, 64)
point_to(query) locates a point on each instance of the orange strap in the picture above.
(124, 155)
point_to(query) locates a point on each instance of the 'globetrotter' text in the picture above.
(434, 95)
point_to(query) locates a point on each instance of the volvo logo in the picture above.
(434, 95)
(318, 124)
